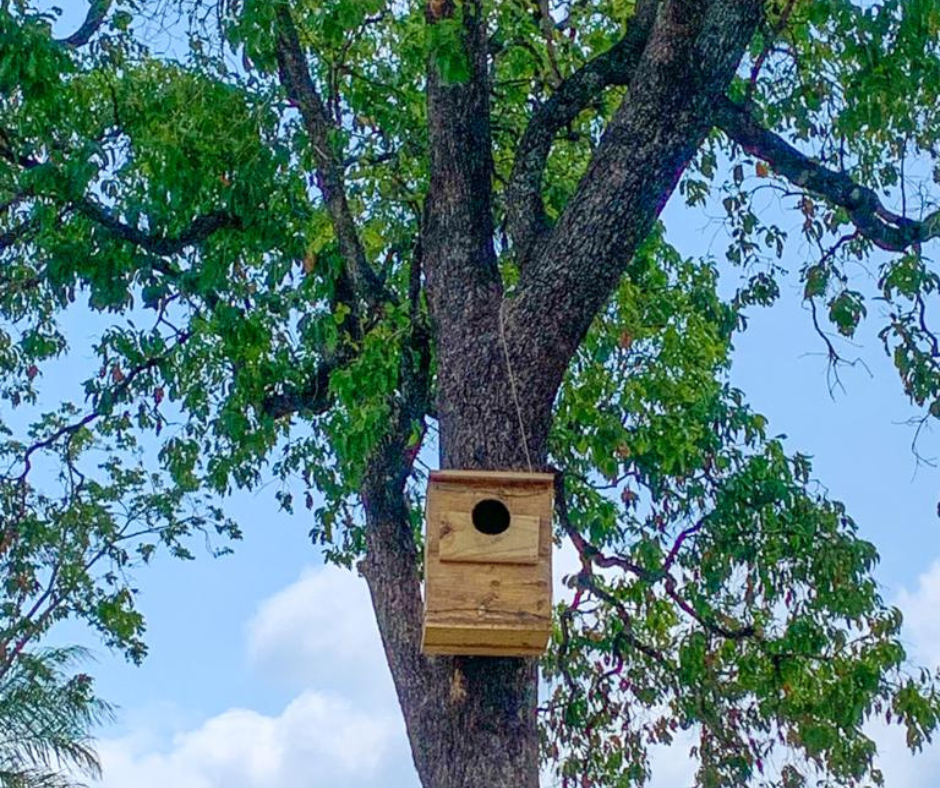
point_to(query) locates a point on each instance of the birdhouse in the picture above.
(488, 563)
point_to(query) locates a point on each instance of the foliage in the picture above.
(166, 186)
(46, 717)
(746, 608)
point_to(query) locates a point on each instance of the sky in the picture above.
(265, 667)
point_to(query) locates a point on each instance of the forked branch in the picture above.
(524, 207)
(634, 169)
(458, 223)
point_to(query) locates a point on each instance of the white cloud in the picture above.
(921, 631)
(903, 769)
(318, 741)
(673, 766)
(344, 730)
(921, 610)
(321, 631)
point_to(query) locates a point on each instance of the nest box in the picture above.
(488, 563)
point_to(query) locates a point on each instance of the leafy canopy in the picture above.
(157, 182)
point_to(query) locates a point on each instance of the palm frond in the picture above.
(46, 718)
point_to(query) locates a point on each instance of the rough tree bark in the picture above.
(472, 721)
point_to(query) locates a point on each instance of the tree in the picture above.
(326, 235)
(46, 718)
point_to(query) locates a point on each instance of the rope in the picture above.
(512, 385)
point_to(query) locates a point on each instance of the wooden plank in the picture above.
(482, 651)
(472, 589)
(446, 638)
(461, 541)
(491, 477)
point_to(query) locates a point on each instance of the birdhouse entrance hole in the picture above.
(491, 517)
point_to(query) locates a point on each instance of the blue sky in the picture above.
(266, 669)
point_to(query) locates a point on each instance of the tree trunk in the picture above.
(471, 721)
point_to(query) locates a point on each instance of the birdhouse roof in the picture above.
(492, 477)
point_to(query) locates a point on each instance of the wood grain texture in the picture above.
(500, 642)
(515, 479)
(488, 595)
(460, 541)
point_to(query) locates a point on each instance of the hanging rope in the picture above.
(512, 384)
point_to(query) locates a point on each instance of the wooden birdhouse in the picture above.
(488, 563)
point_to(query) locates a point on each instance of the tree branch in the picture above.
(547, 26)
(106, 400)
(458, 223)
(197, 232)
(525, 211)
(391, 566)
(313, 398)
(463, 280)
(592, 556)
(17, 232)
(7, 152)
(97, 11)
(635, 168)
(298, 84)
(881, 226)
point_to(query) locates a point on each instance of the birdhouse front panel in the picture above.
(488, 563)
